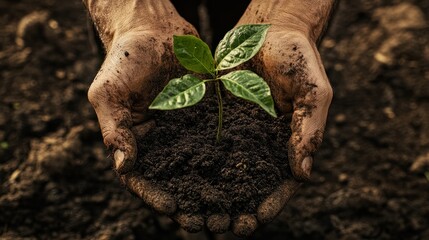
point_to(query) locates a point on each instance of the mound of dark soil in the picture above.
(233, 176)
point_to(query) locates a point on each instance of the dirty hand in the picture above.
(137, 36)
(292, 66)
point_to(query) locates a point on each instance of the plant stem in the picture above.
(219, 100)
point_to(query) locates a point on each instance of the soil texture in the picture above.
(234, 175)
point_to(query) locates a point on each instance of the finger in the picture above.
(119, 156)
(126, 150)
(313, 95)
(218, 223)
(191, 223)
(110, 103)
(117, 136)
(274, 203)
(159, 200)
(244, 225)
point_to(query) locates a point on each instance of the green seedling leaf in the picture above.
(239, 45)
(179, 93)
(194, 54)
(248, 85)
(4, 145)
(427, 175)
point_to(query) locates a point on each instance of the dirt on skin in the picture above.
(368, 179)
(233, 176)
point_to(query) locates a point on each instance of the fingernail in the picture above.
(306, 165)
(119, 157)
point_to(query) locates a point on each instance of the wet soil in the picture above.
(234, 175)
(368, 180)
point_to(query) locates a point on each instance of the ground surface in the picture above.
(368, 180)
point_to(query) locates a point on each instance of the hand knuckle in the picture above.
(95, 93)
(325, 93)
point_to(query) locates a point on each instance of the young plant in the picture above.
(238, 46)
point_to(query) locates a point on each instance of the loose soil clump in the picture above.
(233, 176)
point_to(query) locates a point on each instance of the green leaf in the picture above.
(194, 54)
(4, 145)
(248, 85)
(240, 45)
(179, 93)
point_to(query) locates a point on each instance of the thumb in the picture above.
(311, 104)
(114, 116)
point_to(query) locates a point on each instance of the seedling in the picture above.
(238, 46)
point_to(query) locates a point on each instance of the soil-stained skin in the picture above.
(131, 74)
(289, 60)
(299, 85)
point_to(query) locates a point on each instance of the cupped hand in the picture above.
(290, 62)
(138, 64)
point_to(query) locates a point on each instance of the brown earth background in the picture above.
(368, 180)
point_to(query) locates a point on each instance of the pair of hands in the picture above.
(140, 61)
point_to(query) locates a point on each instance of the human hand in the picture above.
(139, 62)
(290, 62)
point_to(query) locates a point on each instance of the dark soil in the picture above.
(233, 176)
(368, 179)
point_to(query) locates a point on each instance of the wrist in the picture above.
(308, 17)
(117, 17)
